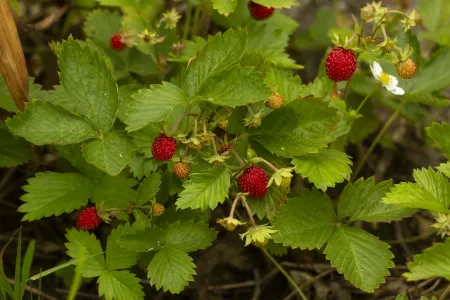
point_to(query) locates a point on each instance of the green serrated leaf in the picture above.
(290, 87)
(219, 53)
(440, 134)
(325, 168)
(361, 257)
(432, 192)
(84, 246)
(276, 248)
(142, 167)
(50, 193)
(154, 105)
(87, 78)
(444, 168)
(116, 256)
(58, 96)
(110, 154)
(143, 139)
(14, 151)
(235, 86)
(205, 190)
(303, 126)
(115, 192)
(434, 14)
(190, 50)
(73, 154)
(267, 206)
(141, 239)
(306, 222)
(433, 262)
(6, 100)
(119, 285)
(148, 189)
(361, 201)
(172, 269)
(44, 123)
(225, 7)
(125, 98)
(190, 236)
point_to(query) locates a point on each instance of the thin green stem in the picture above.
(233, 206)
(286, 274)
(249, 212)
(241, 161)
(196, 20)
(270, 165)
(187, 22)
(362, 103)
(378, 138)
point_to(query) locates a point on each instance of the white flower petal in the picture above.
(396, 90)
(393, 81)
(376, 70)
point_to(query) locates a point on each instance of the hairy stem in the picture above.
(249, 212)
(241, 161)
(233, 206)
(270, 165)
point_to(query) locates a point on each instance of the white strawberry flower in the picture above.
(388, 81)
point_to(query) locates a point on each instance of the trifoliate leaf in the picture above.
(433, 262)
(154, 105)
(361, 257)
(277, 3)
(235, 86)
(120, 285)
(143, 139)
(440, 134)
(84, 246)
(303, 126)
(117, 257)
(219, 53)
(115, 192)
(148, 189)
(171, 269)
(141, 239)
(88, 79)
(432, 192)
(14, 151)
(111, 154)
(361, 201)
(306, 222)
(225, 7)
(73, 154)
(325, 168)
(205, 190)
(50, 193)
(44, 123)
(267, 206)
(190, 236)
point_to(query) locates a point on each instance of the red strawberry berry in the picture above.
(341, 64)
(260, 12)
(88, 219)
(116, 42)
(254, 181)
(164, 147)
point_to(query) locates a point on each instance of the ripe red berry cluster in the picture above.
(88, 219)
(117, 43)
(164, 147)
(254, 181)
(260, 12)
(340, 64)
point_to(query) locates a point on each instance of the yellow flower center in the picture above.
(385, 79)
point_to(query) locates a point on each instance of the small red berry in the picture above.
(88, 219)
(164, 147)
(181, 170)
(406, 69)
(341, 64)
(254, 181)
(260, 12)
(117, 43)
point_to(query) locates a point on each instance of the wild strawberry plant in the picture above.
(162, 125)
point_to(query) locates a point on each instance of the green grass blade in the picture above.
(17, 283)
(76, 283)
(27, 261)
